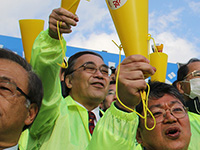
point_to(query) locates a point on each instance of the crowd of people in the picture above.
(44, 107)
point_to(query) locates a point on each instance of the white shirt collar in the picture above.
(12, 148)
(97, 115)
(95, 111)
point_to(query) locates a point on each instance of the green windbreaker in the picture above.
(61, 124)
(117, 131)
(195, 130)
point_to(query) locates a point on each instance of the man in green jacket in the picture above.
(63, 123)
(117, 129)
(166, 139)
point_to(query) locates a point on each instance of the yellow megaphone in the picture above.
(30, 28)
(131, 22)
(70, 5)
(159, 61)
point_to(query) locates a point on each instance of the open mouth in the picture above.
(173, 133)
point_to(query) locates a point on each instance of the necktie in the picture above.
(91, 121)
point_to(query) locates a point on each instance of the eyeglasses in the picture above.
(177, 110)
(8, 89)
(194, 73)
(90, 67)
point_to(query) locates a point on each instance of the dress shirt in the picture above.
(96, 111)
(12, 148)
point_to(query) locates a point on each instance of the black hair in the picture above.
(112, 82)
(183, 70)
(35, 89)
(113, 69)
(71, 62)
(158, 90)
(174, 84)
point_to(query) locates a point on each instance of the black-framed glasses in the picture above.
(195, 73)
(9, 89)
(90, 67)
(177, 110)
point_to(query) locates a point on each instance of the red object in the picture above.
(91, 121)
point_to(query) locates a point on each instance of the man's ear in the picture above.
(33, 110)
(179, 87)
(138, 136)
(68, 81)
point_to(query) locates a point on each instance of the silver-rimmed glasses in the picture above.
(195, 73)
(177, 110)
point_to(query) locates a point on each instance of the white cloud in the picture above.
(178, 49)
(195, 6)
(96, 29)
(160, 22)
(93, 15)
(163, 28)
(13, 11)
(98, 42)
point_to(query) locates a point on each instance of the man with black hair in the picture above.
(66, 123)
(188, 84)
(21, 94)
(172, 131)
(119, 128)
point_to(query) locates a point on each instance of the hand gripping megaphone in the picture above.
(131, 22)
(30, 28)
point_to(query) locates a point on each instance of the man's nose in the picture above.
(98, 73)
(169, 117)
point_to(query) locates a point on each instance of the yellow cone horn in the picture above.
(158, 59)
(30, 28)
(131, 22)
(70, 5)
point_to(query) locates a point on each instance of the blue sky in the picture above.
(175, 23)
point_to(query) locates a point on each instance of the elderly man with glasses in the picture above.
(20, 98)
(188, 83)
(165, 125)
(66, 123)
